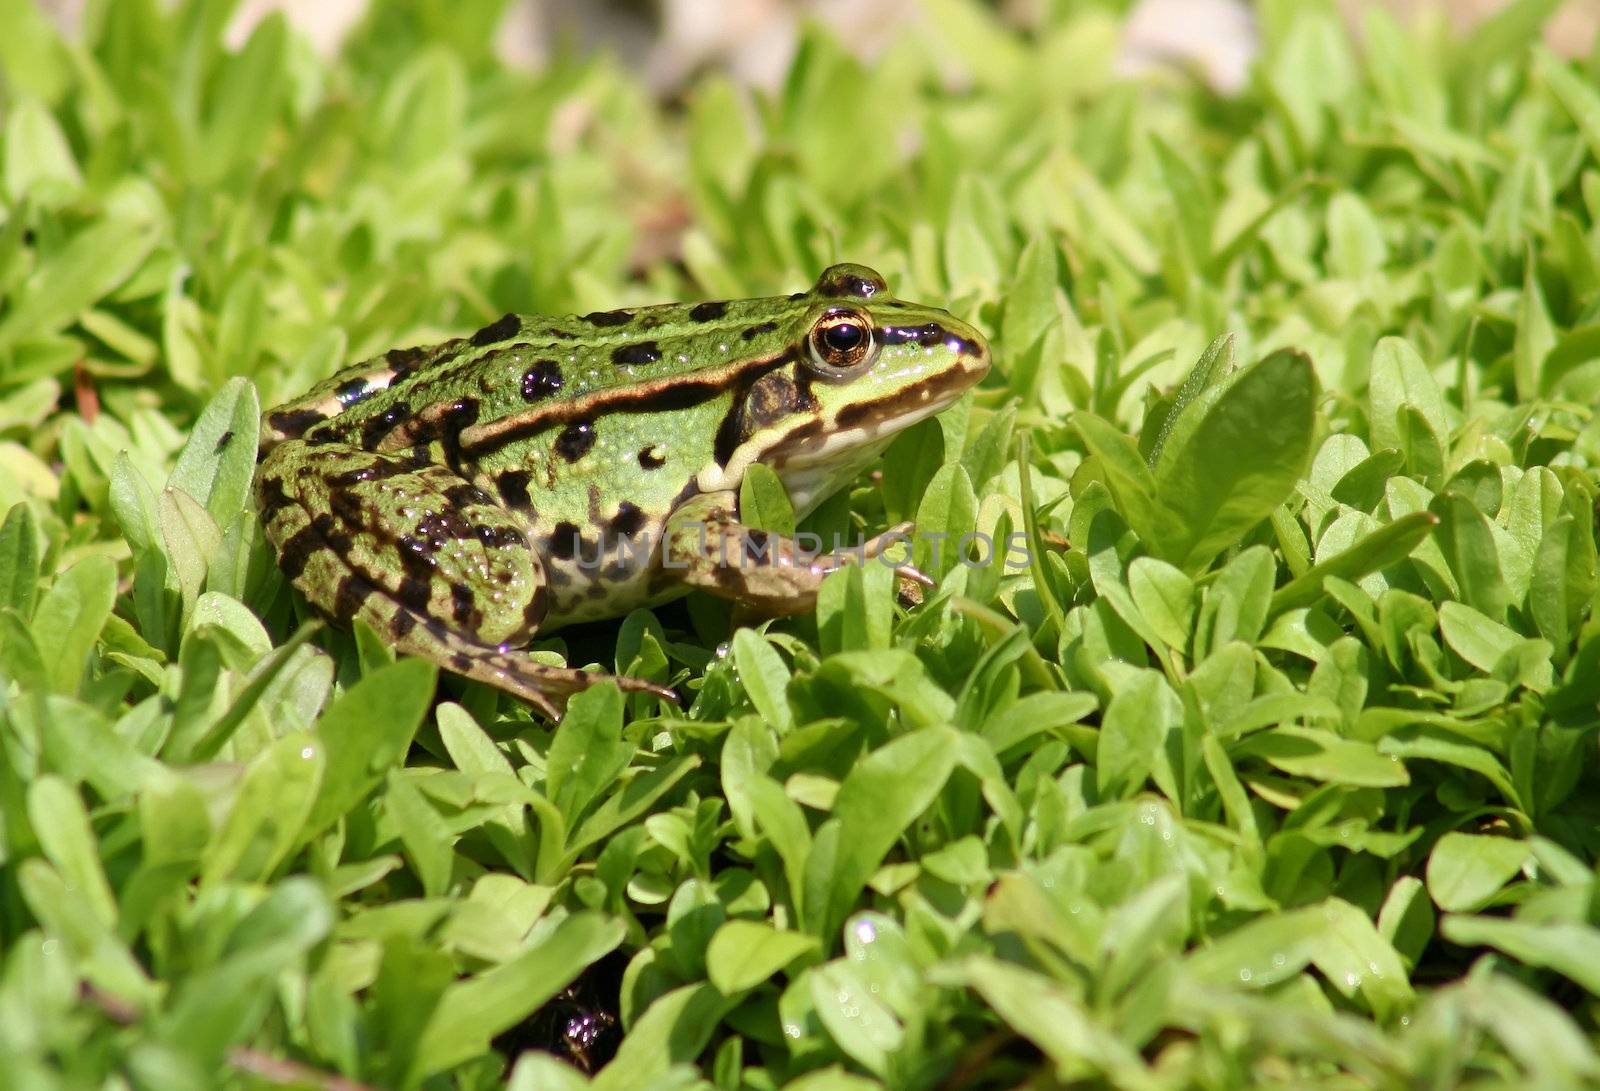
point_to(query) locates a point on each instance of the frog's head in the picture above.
(858, 367)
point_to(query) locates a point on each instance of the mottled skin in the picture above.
(460, 498)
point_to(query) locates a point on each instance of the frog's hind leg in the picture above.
(423, 556)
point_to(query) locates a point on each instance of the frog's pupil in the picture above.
(843, 338)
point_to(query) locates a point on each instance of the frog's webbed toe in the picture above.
(423, 556)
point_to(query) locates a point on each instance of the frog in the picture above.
(462, 497)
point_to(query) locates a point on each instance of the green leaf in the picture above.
(365, 733)
(1055, 1021)
(1322, 755)
(423, 833)
(244, 106)
(62, 826)
(38, 160)
(621, 808)
(1572, 950)
(588, 752)
(1401, 380)
(19, 561)
(1134, 734)
(1386, 546)
(743, 954)
(1468, 544)
(1355, 240)
(1231, 460)
(71, 615)
(1213, 367)
(765, 678)
(854, 1016)
(1576, 96)
(1536, 334)
(1466, 870)
(219, 458)
(476, 1009)
(763, 501)
(673, 1030)
(883, 794)
(1165, 596)
(70, 280)
(268, 813)
(948, 512)
(1474, 637)
(1125, 473)
(225, 1004)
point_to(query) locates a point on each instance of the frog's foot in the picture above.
(708, 548)
(423, 556)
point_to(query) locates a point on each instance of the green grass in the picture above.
(1282, 771)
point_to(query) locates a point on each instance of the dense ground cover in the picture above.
(1277, 766)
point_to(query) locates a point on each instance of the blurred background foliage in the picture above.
(1300, 793)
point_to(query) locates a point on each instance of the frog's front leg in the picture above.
(706, 546)
(419, 553)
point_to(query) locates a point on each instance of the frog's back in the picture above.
(522, 361)
(589, 428)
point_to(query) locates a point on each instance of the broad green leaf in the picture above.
(1374, 552)
(1165, 596)
(38, 160)
(1132, 485)
(424, 834)
(1466, 870)
(269, 810)
(763, 502)
(765, 678)
(19, 561)
(883, 794)
(224, 1004)
(1055, 1021)
(625, 806)
(947, 513)
(1468, 544)
(1134, 735)
(365, 733)
(1400, 380)
(62, 825)
(743, 954)
(1230, 461)
(1322, 755)
(588, 752)
(476, 1009)
(219, 458)
(857, 1019)
(70, 617)
(1576, 96)
(673, 1030)
(1214, 365)
(1570, 949)
(69, 280)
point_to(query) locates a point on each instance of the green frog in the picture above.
(460, 498)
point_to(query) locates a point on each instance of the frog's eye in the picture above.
(841, 344)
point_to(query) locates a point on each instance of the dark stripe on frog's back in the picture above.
(493, 373)
(669, 393)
